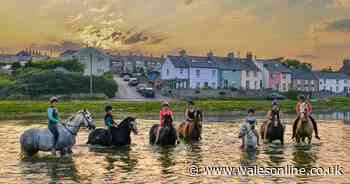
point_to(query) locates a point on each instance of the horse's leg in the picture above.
(303, 139)
(297, 138)
(309, 139)
(282, 140)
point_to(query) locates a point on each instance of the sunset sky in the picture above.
(316, 31)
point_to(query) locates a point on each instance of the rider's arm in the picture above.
(50, 116)
(297, 108)
(309, 107)
(186, 114)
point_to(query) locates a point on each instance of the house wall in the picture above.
(233, 79)
(334, 85)
(305, 85)
(251, 80)
(279, 81)
(207, 76)
(100, 63)
(168, 71)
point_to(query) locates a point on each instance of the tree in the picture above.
(296, 64)
(15, 66)
(329, 69)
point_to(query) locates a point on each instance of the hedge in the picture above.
(48, 82)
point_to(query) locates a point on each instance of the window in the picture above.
(255, 74)
(198, 85)
(213, 85)
(198, 73)
(213, 73)
(306, 82)
(101, 59)
(284, 86)
(167, 72)
(247, 84)
(248, 74)
(331, 88)
(181, 71)
(261, 84)
(345, 81)
(256, 85)
(225, 84)
(206, 84)
(284, 76)
(298, 81)
(337, 88)
(337, 82)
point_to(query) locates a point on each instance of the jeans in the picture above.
(54, 130)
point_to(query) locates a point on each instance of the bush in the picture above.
(72, 65)
(53, 83)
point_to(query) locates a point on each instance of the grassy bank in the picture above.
(37, 109)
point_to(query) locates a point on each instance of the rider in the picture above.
(304, 104)
(54, 120)
(166, 111)
(109, 121)
(250, 123)
(189, 113)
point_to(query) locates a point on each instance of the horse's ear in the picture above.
(84, 110)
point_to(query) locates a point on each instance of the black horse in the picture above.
(167, 135)
(116, 136)
(275, 129)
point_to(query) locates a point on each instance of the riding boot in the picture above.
(314, 124)
(295, 127)
(157, 136)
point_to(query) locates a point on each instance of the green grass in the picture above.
(37, 109)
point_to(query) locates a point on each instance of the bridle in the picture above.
(66, 125)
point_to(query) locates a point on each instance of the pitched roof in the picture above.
(223, 63)
(275, 66)
(330, 75)
(23, 53)
(302, 74)
(68, 52)
(93, 50)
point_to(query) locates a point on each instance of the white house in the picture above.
(333, 82)
(96, 58)
(190, 72)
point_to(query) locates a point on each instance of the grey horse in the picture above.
(35, 139)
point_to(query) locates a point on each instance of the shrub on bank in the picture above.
(49, 82)
(72, 65)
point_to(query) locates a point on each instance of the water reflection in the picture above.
(304, 156)
(165, 156)
(275, 153)
(56, 169)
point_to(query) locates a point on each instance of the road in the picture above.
(128, 93)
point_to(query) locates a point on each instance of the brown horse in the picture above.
(273, 129)
(304, 129)
(192, 130)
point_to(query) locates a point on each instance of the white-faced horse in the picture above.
(35, 139)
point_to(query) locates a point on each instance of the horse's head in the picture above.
(168, 121)
(304, 117)
(198, 117)
(129, 123)
(275, 113)
(86, 119)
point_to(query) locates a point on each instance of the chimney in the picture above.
(250, 56)
(182, 52)
(231, 55)
(210, 54)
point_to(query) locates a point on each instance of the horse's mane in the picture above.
(167, 120)
(126, 121)
(276, 113)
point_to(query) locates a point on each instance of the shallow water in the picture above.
(143, 163)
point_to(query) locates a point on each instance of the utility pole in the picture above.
(91, 76)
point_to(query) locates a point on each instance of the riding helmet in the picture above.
(108, 108)
(53, 99)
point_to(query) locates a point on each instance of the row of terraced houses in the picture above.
(196, 72)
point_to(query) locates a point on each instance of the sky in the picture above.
(315, 31)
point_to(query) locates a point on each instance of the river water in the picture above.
(143, 163)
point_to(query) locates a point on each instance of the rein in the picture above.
(66, 125)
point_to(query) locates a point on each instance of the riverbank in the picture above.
(37, 109)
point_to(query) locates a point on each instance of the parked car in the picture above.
(140, 88)
(276, 96)
(126, 78)
(133, 82)
(148, 93)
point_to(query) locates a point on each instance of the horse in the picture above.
(304, 129)
(167, 135)
(250, 139)
(273, 130)
(34, 140)
(192, 130)
(116, 136)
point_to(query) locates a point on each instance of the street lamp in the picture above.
(91, 76)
